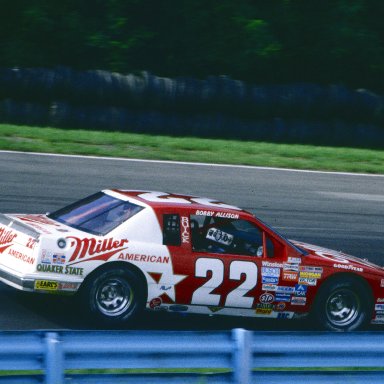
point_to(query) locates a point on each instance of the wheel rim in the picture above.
(343, 307)
(114, 296)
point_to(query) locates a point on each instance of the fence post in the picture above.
(54, 359)
(242, 356)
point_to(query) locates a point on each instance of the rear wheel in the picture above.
(113, 296)
(344, 304)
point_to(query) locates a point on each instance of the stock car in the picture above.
(123, 251)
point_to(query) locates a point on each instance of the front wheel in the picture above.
(113, 297)
(343, 305)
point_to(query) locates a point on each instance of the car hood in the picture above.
(337, 259)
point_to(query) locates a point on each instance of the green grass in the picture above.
(142, 146)
(197, 371)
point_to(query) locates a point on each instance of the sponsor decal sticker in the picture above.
(379, 307)
(93, 249)
(377, 321)
(46, 256)
(156, 302)
(58, 259)
(300, 289)
(298, 300)
(294, 260)
(68, 286)
(307, 281)
(380, 300)
(73, 271)
(6, 236)
(291, 267)
(306, 268)
(269, 280)
(67, 270)
(310, 275)
(272, 265)
(6, 239)
(382, 283)
(283, 289)
(263, 311)
(270, 272)
(280, 306)
(144, 258)
(264, 305)
(290, 276)
(269, 287)
(283, 297)
(46, 285)
(349, 267)
(219, 236)
(21, 256)
(266, 298)
(49, 257)
(185, 229)
(284, 315)
(49, 268)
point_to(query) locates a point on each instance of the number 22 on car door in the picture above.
(228, 283)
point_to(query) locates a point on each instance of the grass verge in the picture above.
(197, 371)
(142, 146)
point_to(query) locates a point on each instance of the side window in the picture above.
(270, 247)
(219, 235)
(171, 229)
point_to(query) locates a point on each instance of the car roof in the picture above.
(202, 206)
(158, 200)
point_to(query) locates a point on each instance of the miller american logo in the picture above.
(93, 249)
(6, 238)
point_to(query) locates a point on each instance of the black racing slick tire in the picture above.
(343, 304)
(113, 297)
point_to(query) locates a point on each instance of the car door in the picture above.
(224, 265)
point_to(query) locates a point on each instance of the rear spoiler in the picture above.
(17, 226)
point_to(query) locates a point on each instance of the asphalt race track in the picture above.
(340, 211)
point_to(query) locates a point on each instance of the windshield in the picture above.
(97, 214)
(275, 231)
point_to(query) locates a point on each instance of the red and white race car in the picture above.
(123, 251)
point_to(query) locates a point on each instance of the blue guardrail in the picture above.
(237, 356)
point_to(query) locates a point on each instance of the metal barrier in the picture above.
(237, 356)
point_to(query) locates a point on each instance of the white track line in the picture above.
(193, 163)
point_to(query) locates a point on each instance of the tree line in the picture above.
(256, 41)
(214, 107)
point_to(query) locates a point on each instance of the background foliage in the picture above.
(297, 71)
(274, 41)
